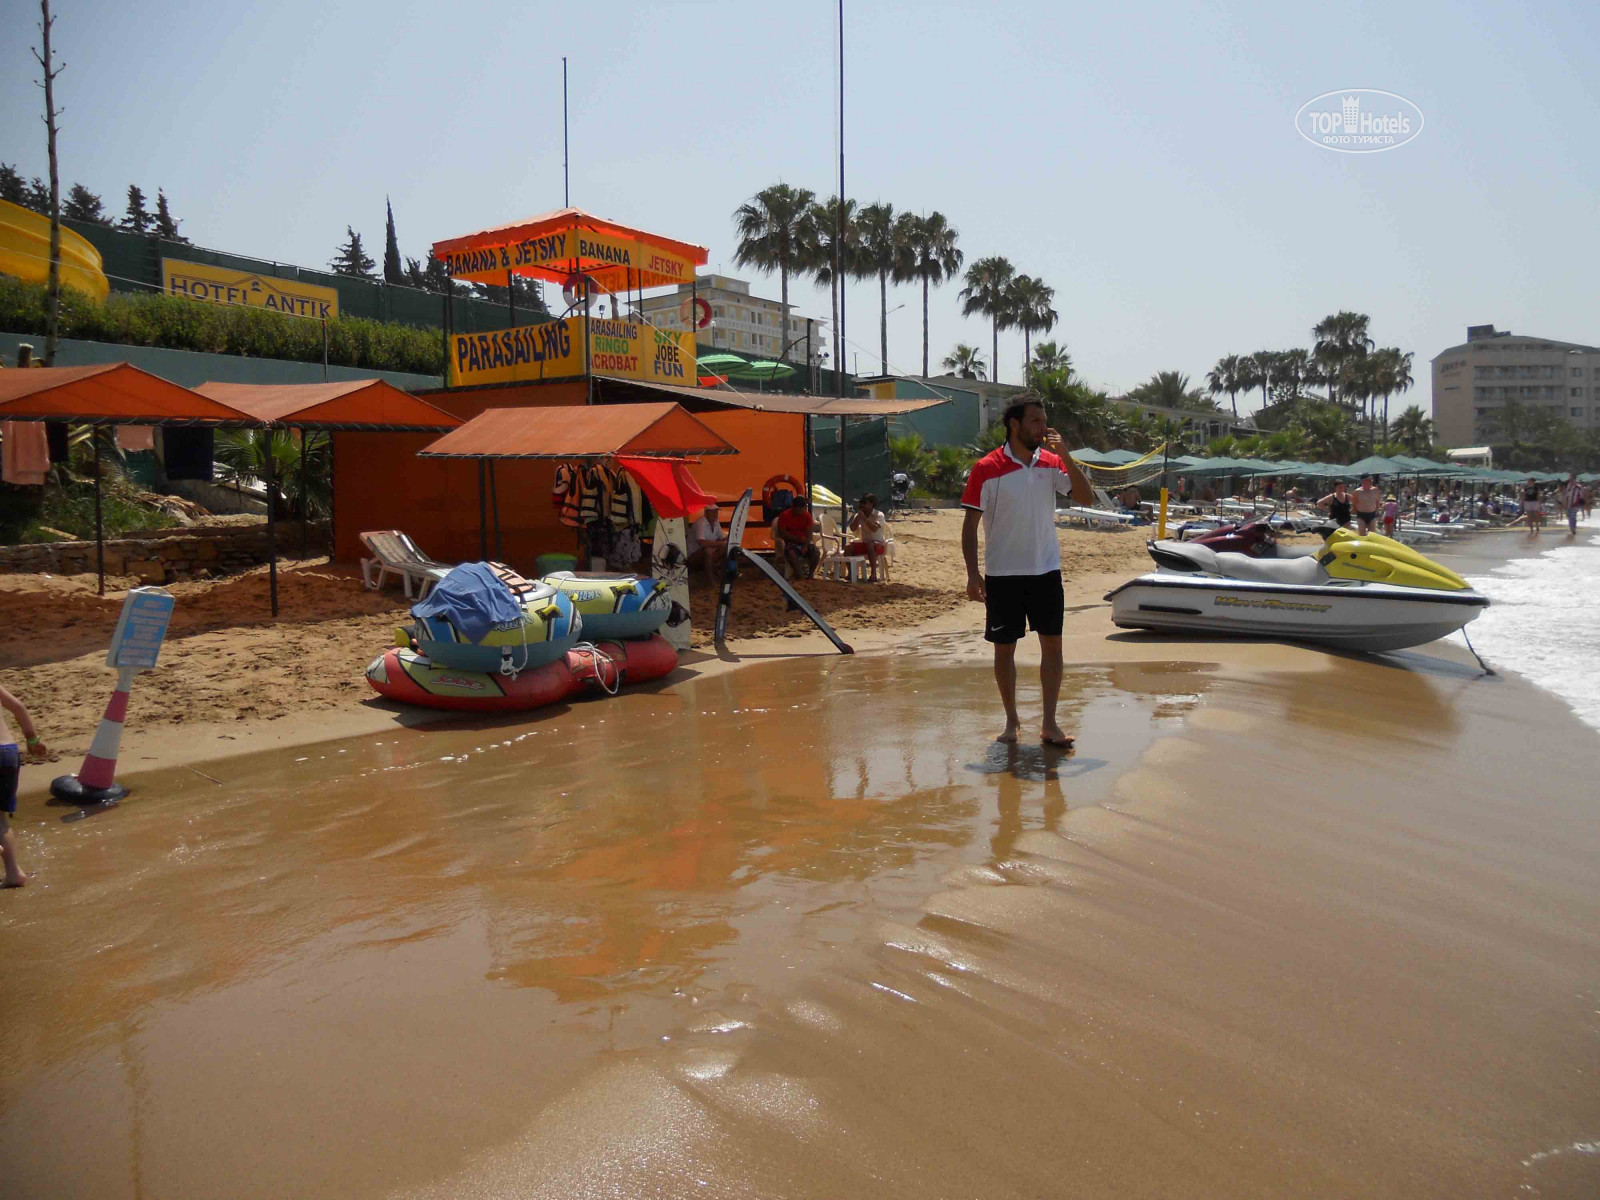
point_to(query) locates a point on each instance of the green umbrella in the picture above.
(1376, 464)
(1095, 458)
(1119, 458)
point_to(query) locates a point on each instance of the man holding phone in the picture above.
(1012, 492)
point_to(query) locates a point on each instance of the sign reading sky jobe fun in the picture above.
(220, 285)
(141, 628)
(554, 350)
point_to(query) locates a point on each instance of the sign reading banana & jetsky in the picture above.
(584, 250)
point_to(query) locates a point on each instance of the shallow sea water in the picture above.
(1544, 620)
(804, 930)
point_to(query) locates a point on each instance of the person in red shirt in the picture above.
(1012, 492)
(791, 536)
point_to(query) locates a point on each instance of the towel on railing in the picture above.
(25, 456)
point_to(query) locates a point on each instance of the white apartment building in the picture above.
(1472, 380)
(739, 321)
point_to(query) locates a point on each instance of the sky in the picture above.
(1140, 158)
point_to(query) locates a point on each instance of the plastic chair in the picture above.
(834, 559)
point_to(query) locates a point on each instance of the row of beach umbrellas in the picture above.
(1400, 465)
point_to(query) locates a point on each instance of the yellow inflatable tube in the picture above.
(1348, 555)
(25, 252)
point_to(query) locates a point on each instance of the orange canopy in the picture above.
(118, 392)
(558, 245)
(353, 404)
(586, 431)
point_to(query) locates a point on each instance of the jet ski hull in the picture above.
(1352, 616)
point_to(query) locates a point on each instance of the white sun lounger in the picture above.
(394, 553)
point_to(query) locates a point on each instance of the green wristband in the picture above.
(34, 741)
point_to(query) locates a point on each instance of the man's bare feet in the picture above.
(1051, 735)
(17, 880)
(1009, 737)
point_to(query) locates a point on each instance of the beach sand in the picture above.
(1286, 923)
(231, 680)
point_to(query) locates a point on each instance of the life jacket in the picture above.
(564, 494)
(591, 495)
(624, 508)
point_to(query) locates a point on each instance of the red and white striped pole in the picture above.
(95, 782)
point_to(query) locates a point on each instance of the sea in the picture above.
(1543, 621)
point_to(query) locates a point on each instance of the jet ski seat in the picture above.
(1190, 556)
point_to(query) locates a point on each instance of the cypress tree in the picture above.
(392, 272)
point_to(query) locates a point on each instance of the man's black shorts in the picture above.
(1014, 604)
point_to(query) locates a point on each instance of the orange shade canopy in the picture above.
(587, 431)
(118, 392)
(352, 404)
(569, 242)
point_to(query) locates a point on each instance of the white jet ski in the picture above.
(1359, 593)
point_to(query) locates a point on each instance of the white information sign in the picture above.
(140, 629)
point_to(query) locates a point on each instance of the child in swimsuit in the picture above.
(10, 769)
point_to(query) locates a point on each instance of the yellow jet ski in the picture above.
(1375, 558)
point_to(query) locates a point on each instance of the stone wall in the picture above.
(162, 556)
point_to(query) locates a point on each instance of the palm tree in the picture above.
(1341, 338)
(931, 256)
(1224, 377)
(1414, 429)
(966, 361)
(1047, 356)
(1168, 389)
(988, 291)
(1294, 369)
(1030, 303)
(825, 216)
(1263, 372)
(1392, 373)
(300, 487)
(777, 233)
(883, 254)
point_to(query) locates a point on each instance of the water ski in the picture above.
(730, 565)
(795, 600)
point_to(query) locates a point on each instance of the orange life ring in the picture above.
(796, 488)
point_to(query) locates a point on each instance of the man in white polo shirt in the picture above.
(1012, 490)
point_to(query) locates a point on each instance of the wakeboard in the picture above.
(669, 563)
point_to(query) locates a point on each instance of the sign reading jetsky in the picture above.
(220, 285)
(554, 350)
(583, 249)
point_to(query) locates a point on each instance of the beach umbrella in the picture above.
(1095, 458)
(1376, 464)
(1119, 458)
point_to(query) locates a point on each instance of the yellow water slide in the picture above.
(25, 252)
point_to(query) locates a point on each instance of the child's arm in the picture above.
(19, 710)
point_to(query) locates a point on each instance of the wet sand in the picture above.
(1285, 923)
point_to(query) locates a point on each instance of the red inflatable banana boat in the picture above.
(409, 677)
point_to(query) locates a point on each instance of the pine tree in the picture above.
(437, 278)
(166, 227)
(391, 250)
(351, 259)
(84, 205)
(38, 196)
(11, 186)
(137, 219)
(414, 275)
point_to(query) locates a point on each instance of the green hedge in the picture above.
(175, 323)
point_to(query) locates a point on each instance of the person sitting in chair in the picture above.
(872, 534)
(791, 539)
(707, 544)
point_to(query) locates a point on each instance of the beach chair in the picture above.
(836, 564)
(393, 553)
